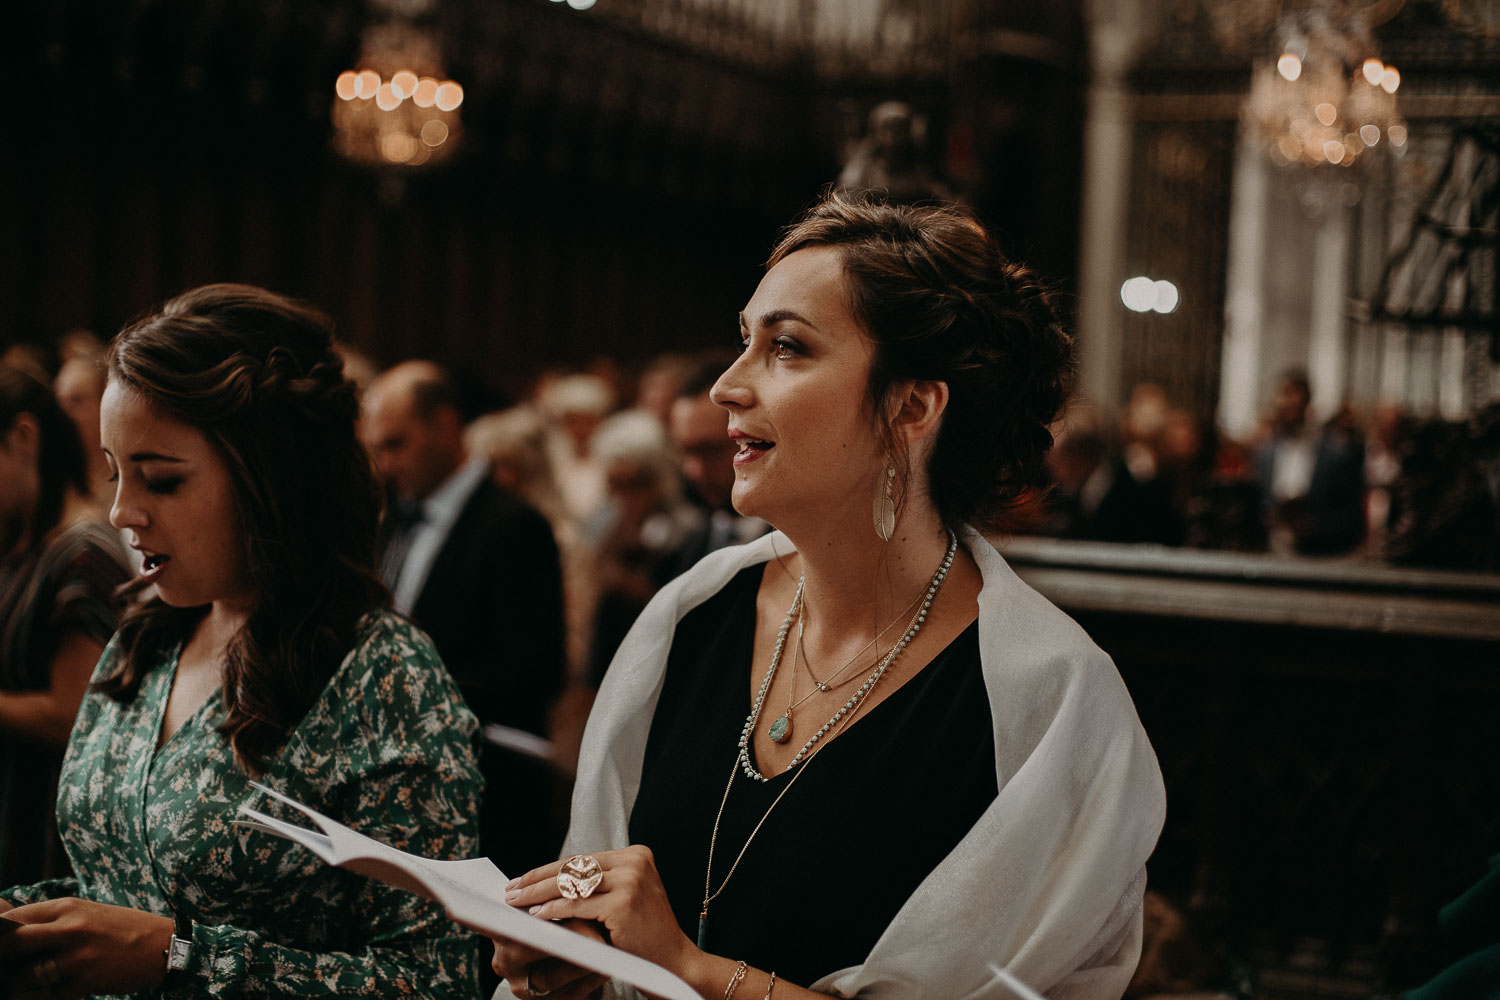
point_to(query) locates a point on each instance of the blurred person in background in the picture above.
(1312, 480)
(514, 444)
(33, 359)
(1137, 504)
(1382, 467)
(1445, 500)
(478, 570)
(80, 387)
(1078, 474)
(575, 405)
(660, 383)
(700, 433)
(60, 565)
(636, 547)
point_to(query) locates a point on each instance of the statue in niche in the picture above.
(891, 158)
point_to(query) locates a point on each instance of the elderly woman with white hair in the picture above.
(633, 546)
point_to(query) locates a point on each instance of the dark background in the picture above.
(614, 193)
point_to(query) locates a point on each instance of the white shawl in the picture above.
(1048, 882)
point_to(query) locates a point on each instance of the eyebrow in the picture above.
(779, 315)
(152, 456)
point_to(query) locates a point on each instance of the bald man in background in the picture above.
(478, 570)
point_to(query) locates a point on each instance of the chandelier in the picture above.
(396, 109)
(1327, 99)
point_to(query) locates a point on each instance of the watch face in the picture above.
(177, 955)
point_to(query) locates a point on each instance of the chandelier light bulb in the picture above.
(1397, 135)
(386, 98)
(403, 83)
(398, 109)
(449, 96)
(1369, 134)
(1374, 69)
(1289, 66)
(1390, 80)
(397, 147)
(1327, 113)
(1333, 150)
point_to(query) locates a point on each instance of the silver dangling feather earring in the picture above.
(885, 505)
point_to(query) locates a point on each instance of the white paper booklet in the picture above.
(473, 893)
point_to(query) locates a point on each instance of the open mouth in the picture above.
(754, 445)
(152, 563)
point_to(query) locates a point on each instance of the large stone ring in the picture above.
(531, 988)
(46, 973)
(580, 876)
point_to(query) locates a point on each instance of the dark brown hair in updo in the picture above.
(258, 375)
(941, 302)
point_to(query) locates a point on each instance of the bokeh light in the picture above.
(449, 96)
(403, 83)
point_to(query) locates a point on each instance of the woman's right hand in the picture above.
(531, 973)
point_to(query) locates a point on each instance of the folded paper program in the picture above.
(472, 892)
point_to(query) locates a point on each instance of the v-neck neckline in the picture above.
(169, 681)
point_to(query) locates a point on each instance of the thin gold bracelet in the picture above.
(771, 987)
(735, 980)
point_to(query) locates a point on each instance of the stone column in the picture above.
(1244, 317)
(1116, 35)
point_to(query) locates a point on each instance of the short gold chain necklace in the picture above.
(781, 730)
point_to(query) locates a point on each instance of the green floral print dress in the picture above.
(386, 749)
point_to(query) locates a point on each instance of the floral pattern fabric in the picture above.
(387, 749)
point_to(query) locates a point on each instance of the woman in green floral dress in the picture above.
(267, 654)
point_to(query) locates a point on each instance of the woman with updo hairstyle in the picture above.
(858, 756)
(265, 652)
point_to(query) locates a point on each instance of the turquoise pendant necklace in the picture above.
(859, 693)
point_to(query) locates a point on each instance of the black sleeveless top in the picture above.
(877, 810)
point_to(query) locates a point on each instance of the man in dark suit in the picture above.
(1312, 480)
(478, 570)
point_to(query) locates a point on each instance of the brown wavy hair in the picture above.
(258, 375)
(941, 302)
(61, 465)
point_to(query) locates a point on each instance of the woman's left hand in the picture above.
(74, 948)
(630, 903)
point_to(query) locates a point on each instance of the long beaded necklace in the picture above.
(840, 719)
